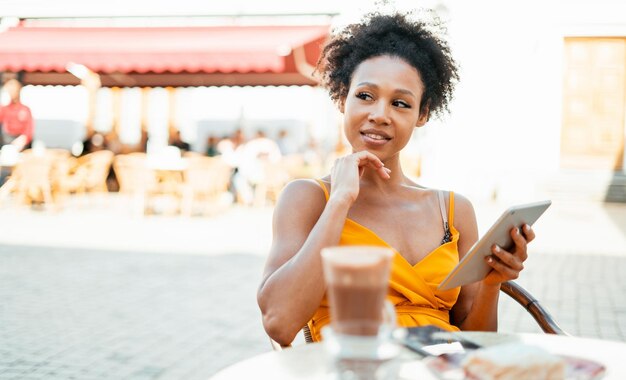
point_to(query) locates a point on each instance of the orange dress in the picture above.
(412, 288)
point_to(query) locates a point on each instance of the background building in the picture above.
(539, 112)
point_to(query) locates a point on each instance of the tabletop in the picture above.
(311, 361)
(9, 155)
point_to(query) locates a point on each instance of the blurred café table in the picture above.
(9, 157)
(166, 160)
(168, 167)
(312, 361)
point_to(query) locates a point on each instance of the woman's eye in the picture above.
(363, 96)
(401, 104)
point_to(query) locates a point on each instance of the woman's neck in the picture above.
(397, 177)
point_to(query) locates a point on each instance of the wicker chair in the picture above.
(32, 179)
(135, 180)
(545, 321)
(206, 181)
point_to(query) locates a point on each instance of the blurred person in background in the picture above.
(257, 157)
(16, 118)
(230, 149)
(286, 143)
(211, 146)
(16, 127)
(178, 142)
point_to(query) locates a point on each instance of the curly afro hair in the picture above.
(397, 36)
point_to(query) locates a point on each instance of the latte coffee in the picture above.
(357, 278)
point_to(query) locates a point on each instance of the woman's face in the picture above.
(382, 106)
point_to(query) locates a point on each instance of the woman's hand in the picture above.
(347, 170)
(507, 265)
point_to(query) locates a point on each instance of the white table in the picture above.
(311, 361)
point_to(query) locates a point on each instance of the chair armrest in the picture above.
(532, 305)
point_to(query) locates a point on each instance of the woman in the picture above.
(387, 74)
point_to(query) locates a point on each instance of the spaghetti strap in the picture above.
(323, 185)
(447, 235)
(451, 211)
(442, 207)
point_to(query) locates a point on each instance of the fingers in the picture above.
(367, 159)
(507, 272)
(508, 265)
(506, 259)
(528, 233)
(384, 172)
(520, 244)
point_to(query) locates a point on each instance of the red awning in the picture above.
(160, 50)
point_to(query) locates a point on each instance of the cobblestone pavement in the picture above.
(132, 311)
(76, 314)
(586, 295)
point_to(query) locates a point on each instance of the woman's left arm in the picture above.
(477, 305)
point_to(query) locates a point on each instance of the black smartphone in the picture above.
(418, 338)
(425, 335)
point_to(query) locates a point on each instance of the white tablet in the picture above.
(473, 267)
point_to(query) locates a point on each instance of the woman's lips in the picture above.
(374, 139)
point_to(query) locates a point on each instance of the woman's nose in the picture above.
(379, 114)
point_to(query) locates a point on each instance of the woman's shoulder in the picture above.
(462, 204)
(303, 190)
(463, 212)
(304, 186)
(300, 199)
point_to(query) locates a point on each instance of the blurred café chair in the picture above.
(267, 187)
(31, 180)
(63, 177)
(306, 335)
(57, 153)
(135, 179)
(61, 164)
(96, 167)
(168, 166)
(206, 180)
(86, 174)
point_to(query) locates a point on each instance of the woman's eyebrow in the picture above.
(400, 90)
(370, 84)
(406, 92)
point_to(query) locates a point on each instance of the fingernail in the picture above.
(387, 170)
(497, 248)
(489, 259)
(517, 231)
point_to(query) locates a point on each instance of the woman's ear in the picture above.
(424, 116)
(342, 105)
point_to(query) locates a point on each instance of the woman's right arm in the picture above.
(293, 283)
